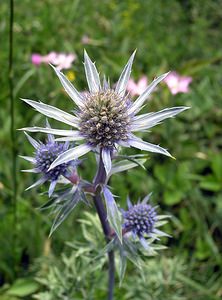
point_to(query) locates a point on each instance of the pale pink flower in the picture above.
(36, 59)
(177, 83)
(137, 88)
(63, 61)
(60, 60)
(49, 58)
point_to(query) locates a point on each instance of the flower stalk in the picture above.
(99, 180)
(104, 120)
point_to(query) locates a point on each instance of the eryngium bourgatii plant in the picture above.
(104, 120)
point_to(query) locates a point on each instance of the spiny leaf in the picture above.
(65, 210)
(113, 213)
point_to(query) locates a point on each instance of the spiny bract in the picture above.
(105, 117)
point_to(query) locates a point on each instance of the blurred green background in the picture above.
(169, 35)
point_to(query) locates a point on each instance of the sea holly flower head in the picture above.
(44, 155)
(104, 122)
(177, 83)
(142, 221)
(105, 117)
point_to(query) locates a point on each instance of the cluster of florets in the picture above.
(46, 154)
(140, 219)
(104, 119)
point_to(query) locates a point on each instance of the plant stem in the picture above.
(100, 178)
(12, 125)
(111, 275)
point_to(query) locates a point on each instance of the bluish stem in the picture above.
(100, 178)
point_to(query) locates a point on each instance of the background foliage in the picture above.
(178, 35)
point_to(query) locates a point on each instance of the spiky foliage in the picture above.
(105, 117)
(44, 155)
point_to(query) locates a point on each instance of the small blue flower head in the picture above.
(44, 155)
(141, 220)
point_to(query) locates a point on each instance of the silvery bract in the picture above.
(44, 155)
(104, 118)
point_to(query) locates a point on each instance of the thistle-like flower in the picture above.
(105, 117)
(44, 155)
(142, 221)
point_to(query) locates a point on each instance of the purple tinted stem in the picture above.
(100, 178)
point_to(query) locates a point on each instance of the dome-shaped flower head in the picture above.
(142, 221)
(105, 117)
(44, 155)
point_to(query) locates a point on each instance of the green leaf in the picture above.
(48, 204)
(211, 183)
(23, 287)
(126, 165)
(23, 80)
(121, 263)
(109, 247)
(217, 166)
(196, 285)
(202, 249)
(131, 253)
(173, 197)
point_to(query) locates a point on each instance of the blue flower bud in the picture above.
(46, 154)
(140, 219)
